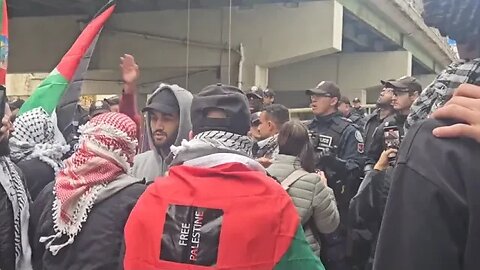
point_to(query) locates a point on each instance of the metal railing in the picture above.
(306, 113)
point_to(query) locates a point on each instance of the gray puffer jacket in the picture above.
(311, 198)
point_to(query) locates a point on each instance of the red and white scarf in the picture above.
(106, 150)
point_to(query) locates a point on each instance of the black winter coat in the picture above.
(432, 217)
(98, 246)
(37, 175)
(7, 230)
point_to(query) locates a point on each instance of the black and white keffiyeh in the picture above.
(34, 137)
(442, 89)
(212, 142)
(17, 195)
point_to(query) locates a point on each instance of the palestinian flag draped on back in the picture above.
(62, 87)
(227, 217)
(4, 43)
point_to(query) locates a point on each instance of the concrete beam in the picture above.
(158, 39)
(276, 35)
(386, 21)
(353, 72)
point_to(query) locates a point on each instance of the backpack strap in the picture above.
(292, 178)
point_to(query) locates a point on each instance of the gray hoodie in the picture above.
(151, 164)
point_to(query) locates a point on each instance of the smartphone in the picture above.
(392, 140)
(3, 101)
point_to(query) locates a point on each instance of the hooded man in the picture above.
(205, 213)
(167, 124)
(77, 222)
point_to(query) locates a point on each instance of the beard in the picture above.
(4, 147)
(164, 147)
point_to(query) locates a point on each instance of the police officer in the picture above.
(405, 92)
(357, 107)
(341, 157)
(383, 110)
(349, 112)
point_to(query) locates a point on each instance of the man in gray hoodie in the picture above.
(167, 124)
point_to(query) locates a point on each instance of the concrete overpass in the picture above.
(288, 45)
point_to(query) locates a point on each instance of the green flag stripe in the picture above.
(48, 93)
(299, 255)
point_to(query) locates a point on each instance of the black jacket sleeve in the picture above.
(365, 215)
(7, 232)
(375, 149)
(416, 233)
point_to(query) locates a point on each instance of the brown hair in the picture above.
(293, 140)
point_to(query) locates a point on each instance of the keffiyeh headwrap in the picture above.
(441, 90)
(106, 150)
(34, 137)
(17, 195)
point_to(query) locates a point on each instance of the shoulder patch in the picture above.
(360, 143)
(358, 136)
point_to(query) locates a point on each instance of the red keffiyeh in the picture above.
(107, 147)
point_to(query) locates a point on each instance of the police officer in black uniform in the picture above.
(357, 107)
(339, 145)
(405, 92)
(345, 107)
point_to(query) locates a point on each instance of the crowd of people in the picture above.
(225, 179)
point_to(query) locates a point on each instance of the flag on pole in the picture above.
(4, 43)
(70, 69)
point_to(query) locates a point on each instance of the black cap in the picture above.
(325, 88)
(254, 92)
(404, 84)
(356, 100)
(112, 100)
(255, 119)
(230, 100)
(164, 101)
(98, 107)
(344, 99)
(268, 93)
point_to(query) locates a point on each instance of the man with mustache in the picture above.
(167, 124)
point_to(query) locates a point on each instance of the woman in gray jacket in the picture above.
(294, 168)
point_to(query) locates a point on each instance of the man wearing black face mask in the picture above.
(14, 206)
(255, 99)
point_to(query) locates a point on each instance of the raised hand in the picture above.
(130, 70)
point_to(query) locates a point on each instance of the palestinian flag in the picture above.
(65, 81)
(4, 43)
(227, 217)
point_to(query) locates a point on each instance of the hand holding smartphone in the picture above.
(392, 141)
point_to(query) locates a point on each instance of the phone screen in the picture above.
(392, 137)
